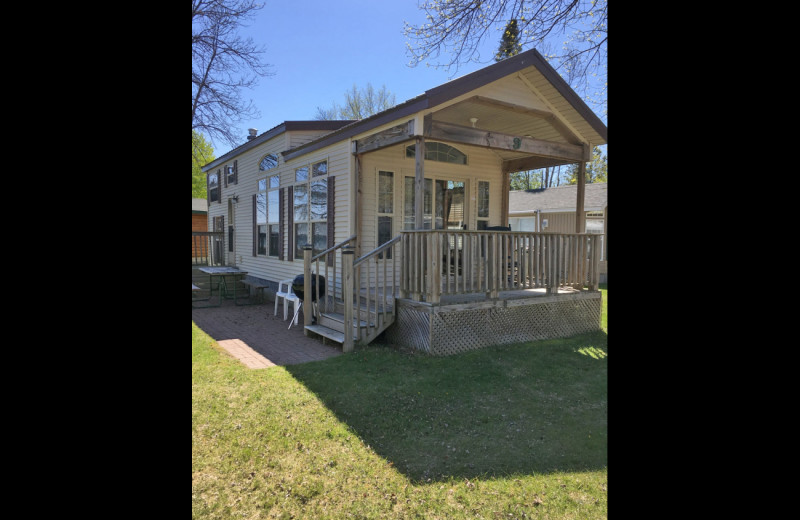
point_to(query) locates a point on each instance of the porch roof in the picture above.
(494, 116)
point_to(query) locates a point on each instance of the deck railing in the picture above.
(208, 248)
(461, 262)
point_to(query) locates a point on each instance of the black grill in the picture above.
(298, 286)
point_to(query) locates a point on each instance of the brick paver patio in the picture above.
(258, 339)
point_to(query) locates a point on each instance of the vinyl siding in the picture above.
(266, 267)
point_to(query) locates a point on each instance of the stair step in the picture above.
(322, 330)
(336, 316)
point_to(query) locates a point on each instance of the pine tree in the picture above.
(509, 45)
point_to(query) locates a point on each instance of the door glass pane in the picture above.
(449, 204)
(408, 207)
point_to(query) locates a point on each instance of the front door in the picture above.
(445, 204)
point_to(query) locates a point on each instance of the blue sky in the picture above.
(319, 48)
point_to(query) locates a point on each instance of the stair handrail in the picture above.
(330, 289)
(351, 281)
(377, 250)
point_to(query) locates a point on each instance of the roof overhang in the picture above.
(524, 137)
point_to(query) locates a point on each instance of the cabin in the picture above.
(553, 210)
(399, 221)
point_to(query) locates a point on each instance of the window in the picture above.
(595, 225)
(231, 175)
(268, 215)
(213, 187)
(310, 207)
(522, 223)
(268, 162)
(483, 205)
(385, 207)
(439, 152)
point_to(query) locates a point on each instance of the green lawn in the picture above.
(506, 432)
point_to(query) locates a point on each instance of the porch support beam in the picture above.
(533, 162)
(580, 215)
(390, 136)
(473, 136)
(419, 182)
(504, 201)
(357, 206)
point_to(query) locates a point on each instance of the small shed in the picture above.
(199, 224)
(199, 214)
(553, 210)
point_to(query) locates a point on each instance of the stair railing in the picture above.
(371, 280)
(333, 291)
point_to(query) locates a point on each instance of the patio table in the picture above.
(222, 286)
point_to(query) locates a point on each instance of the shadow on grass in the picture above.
(522, 409)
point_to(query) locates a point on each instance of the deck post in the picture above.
(434, 268)
(491, 265)
(308, 314)
(419, 183)
(347, 295)
(580, 215)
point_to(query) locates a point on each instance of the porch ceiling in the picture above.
(497, 119)
(505, 118)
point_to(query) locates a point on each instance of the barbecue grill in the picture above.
(298, 287)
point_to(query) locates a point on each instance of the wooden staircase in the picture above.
(357, 303)
(331, 325)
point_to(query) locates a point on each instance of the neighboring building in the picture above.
(199, 223)
(441, 161)
(553, 210)
(199, 215)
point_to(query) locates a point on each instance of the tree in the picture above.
(358, 104)
(458, 27)
(202, 153)
(509, 44)
(596, 169)
(535, 179)
(223, 65)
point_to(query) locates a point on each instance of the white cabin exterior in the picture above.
(370, 179)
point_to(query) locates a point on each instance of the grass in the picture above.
(505, 432)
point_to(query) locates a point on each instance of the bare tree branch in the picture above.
(223, 65)
(455, 30)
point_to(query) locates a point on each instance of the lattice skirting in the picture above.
(444, 330)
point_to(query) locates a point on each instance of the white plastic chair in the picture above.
(288, 296)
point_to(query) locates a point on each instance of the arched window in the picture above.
(268, 162)
(439, 152)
